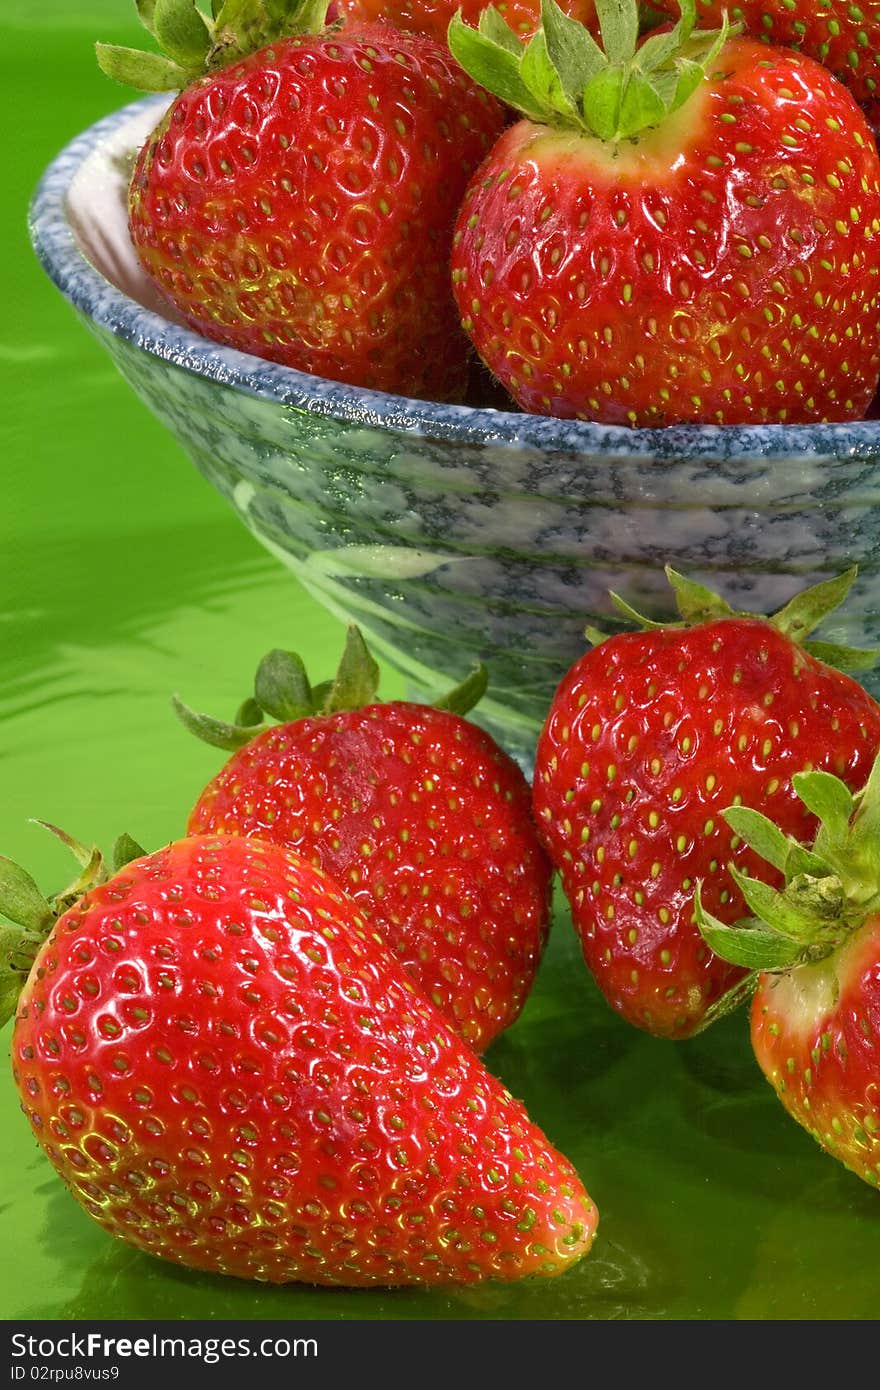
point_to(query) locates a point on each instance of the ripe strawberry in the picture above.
(841, 35)
(683, 231)
(813, 952)
(297, 202)
(433, 16)
(228, 1070)
(416, 812)
(650, 735)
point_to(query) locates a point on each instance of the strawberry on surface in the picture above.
(812, 950)
(415, 811)
(297, 202)
(681, 230)
(228, 1070)
(649, 737)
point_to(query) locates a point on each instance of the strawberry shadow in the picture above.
(122, 1283)
(566, 1041)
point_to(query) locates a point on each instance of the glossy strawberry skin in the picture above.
(228, 1071)
(433, 16)
(426, 823)
(299, 205)
(649, 738)
(842, 36)
(723, 268)
(815, 1034)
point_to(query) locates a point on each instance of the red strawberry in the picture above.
(649, 737)
(841, 35)
(683, 231)
(228, 1070)
(417, 814)
(813, 950)
(433, 16)
(298, 202)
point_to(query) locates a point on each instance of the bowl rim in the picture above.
(101, 301)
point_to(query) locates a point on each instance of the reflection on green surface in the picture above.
(713, 1204)
(126, 577)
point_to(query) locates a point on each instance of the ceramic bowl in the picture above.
(452, 533)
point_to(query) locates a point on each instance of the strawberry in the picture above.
(228, 1070)
(649, 737)
(838, 33)
(433, 16)
(812, 950)
(417, 814)
(681, 231)
(297, 202)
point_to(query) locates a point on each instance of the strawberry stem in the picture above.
(797, 619)
(281, 687)
(193, 42)
(33, 915)
(282, 691)
(463, 697)
(217, 732)
(357, 678)
(562, 77)
(695, 602)
(21, 900)
(830, 888)
(125, 851)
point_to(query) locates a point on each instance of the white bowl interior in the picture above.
(97, 209)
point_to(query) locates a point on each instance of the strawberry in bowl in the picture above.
(843, 36)
(296, 200)
(679, 229)
(434, 16)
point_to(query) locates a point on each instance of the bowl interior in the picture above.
(97, 207)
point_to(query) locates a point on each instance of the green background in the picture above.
(124, 578)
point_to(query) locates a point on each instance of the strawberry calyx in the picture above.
(284, 693)
(31, 915)
(193, 42)
(563, 77)
(796, 620)
(830, 887)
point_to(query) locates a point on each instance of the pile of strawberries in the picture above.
(255, 1051)
(632, 225)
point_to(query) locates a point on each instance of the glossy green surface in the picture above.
(126, 577)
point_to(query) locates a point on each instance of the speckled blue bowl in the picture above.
(451, 533)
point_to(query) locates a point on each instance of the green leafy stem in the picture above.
(830, 888)
(193, 41)
(283, 691)
(796, 620)
(562, 76)
(31, 915)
